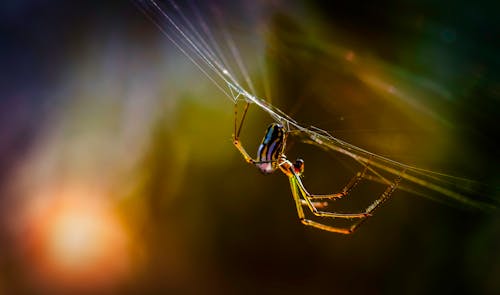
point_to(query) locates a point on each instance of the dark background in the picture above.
(198, 219)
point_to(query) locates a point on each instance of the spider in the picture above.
(271, 157)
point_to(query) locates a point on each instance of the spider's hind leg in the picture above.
(237, 130)
(237, 127)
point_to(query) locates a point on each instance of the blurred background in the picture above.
(118, 175)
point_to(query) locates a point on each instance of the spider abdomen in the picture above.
(271, 148)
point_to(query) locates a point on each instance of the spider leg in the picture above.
(300, 213)
(243, 152)
(317, 204)
(345, 191)
(237, 127)
(387, 193)
(296, 186)
(237, 130)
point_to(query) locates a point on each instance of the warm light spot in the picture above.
(76, 238)
(350, 56)
(77, 241)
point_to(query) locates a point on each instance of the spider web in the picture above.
(196, 35)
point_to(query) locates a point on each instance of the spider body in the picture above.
(271, 149)
(271, 157)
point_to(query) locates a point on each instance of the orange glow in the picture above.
(77, 241)
(349, 56)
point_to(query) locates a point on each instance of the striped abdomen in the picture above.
(271, 148)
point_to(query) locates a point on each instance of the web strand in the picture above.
(207, 55)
